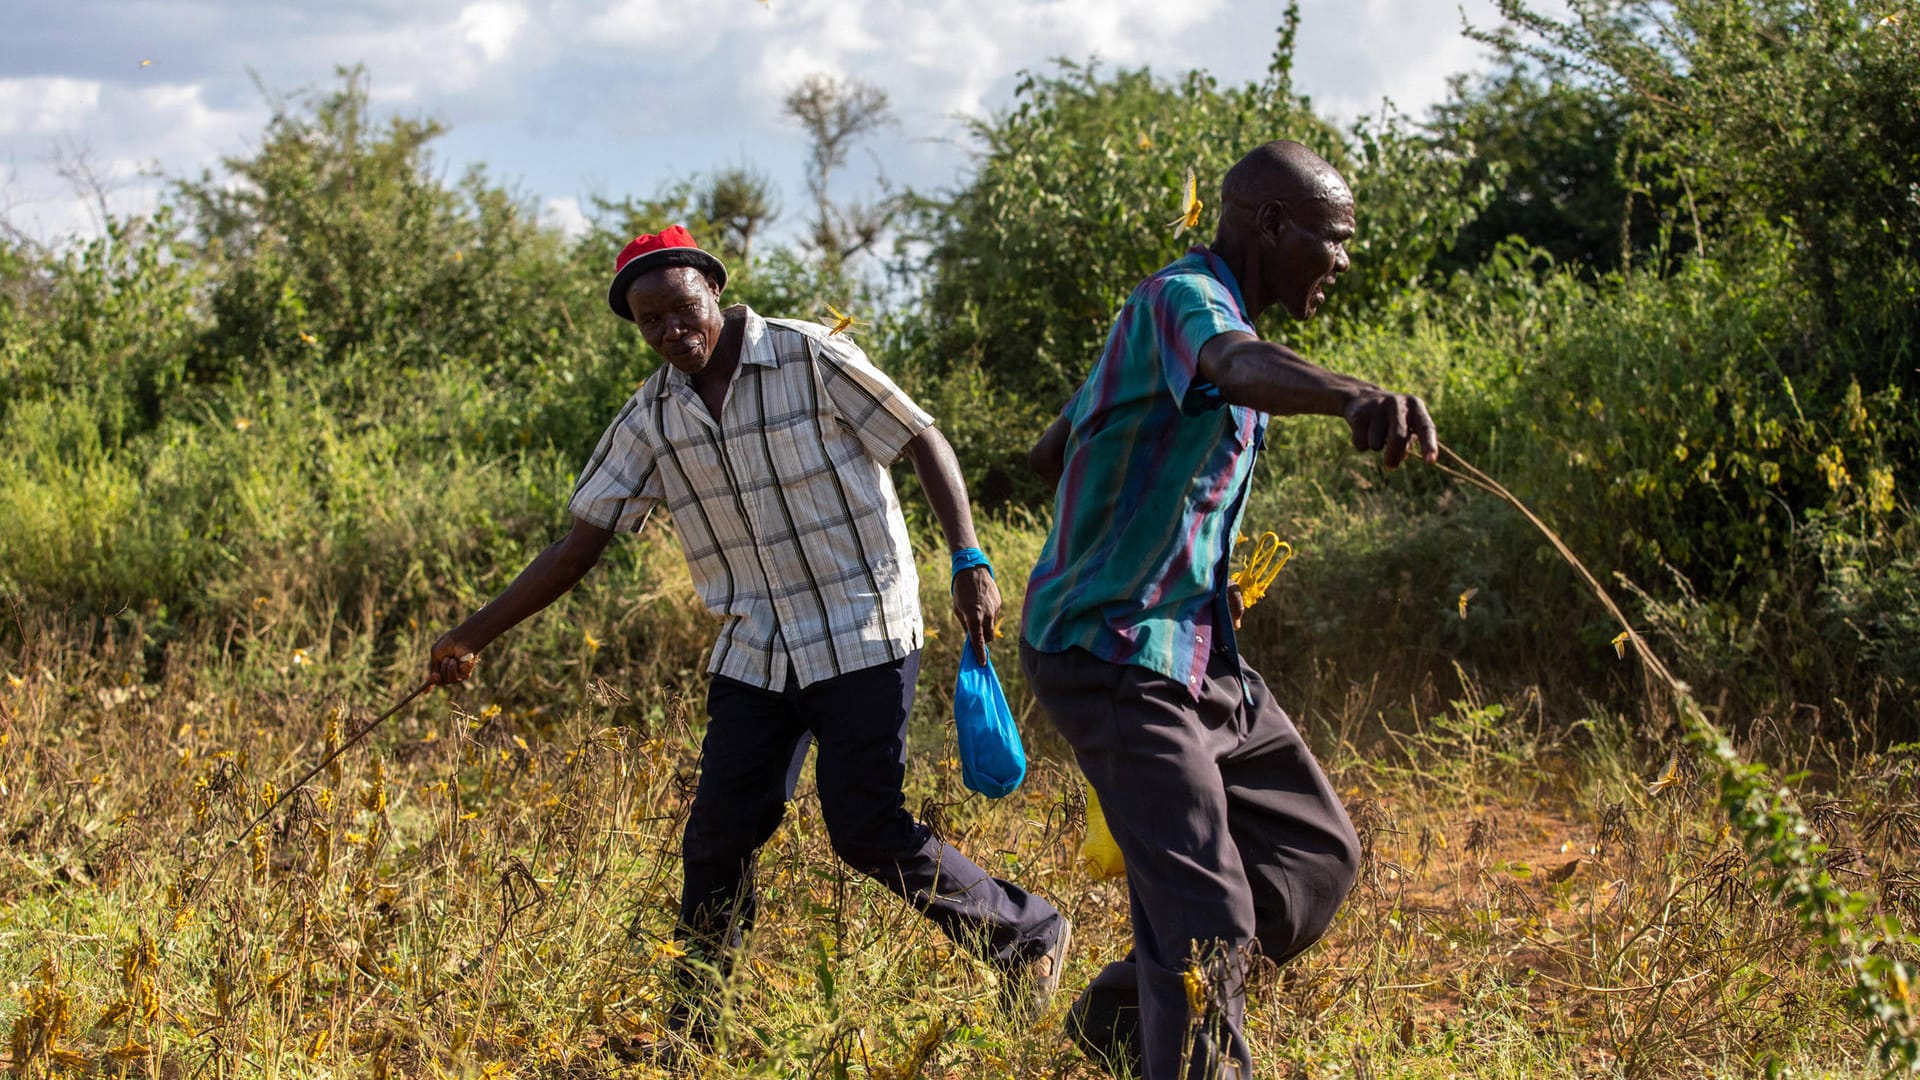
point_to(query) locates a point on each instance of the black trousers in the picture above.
(1234, 840)
(859, 723)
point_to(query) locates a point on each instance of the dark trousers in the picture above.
(859, 723)
(1235, 842)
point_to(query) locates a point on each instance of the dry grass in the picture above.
(456, 897)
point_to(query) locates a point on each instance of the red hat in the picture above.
(671, 246)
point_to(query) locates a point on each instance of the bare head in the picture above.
(1285, 218)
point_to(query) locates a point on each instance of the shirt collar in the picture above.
(1217, 266)
(756, 348)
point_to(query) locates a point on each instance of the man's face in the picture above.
(678, 311)
(1311, 251)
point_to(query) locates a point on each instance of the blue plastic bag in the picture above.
(992, 761)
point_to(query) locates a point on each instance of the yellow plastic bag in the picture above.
(1098, 853)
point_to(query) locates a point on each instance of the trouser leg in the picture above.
(1151, 755)
(748, 764)
(1177, 770)
(1297, 844)
(859, 721)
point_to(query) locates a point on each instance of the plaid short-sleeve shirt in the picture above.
(786, 513)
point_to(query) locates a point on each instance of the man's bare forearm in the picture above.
(1275, 380)
(1278, 381)
(547, 578)
(939, 472)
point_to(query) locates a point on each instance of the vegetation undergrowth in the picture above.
(485, 889)
(1656, 272)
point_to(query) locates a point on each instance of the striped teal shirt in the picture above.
(1157, 467)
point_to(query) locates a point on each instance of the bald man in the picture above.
(1235, 842)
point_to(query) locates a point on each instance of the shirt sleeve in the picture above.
(620, 485)
(882, 417)
(1189, 310)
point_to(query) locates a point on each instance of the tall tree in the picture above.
(836, 113)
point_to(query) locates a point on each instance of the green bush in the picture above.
(329, 396)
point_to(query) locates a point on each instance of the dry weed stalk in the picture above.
(1789, 863)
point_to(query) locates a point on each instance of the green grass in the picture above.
(476, 924)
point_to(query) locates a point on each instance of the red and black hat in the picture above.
(671, 246)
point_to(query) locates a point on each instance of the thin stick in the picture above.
(1468, 474)
(329, 759)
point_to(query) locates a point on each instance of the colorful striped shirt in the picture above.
(786, 514)
(1157, 465)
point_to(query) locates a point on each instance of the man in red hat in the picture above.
(769, 442)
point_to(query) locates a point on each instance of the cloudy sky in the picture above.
(567, 98)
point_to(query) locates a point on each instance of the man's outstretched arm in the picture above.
(547, 578)
(976, 599)
(1280, 382)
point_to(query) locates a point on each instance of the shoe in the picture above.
(1108, 1033)
(1026, 988)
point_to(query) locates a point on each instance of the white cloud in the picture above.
(71, 157)
(551, 92)
(492, 26)
(945, 57)
(564, 213)
(666, 28)
(1351, 56)
(44, 106)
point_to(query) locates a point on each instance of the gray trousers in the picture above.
(1235, 844)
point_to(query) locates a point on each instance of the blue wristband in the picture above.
(967, 559)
